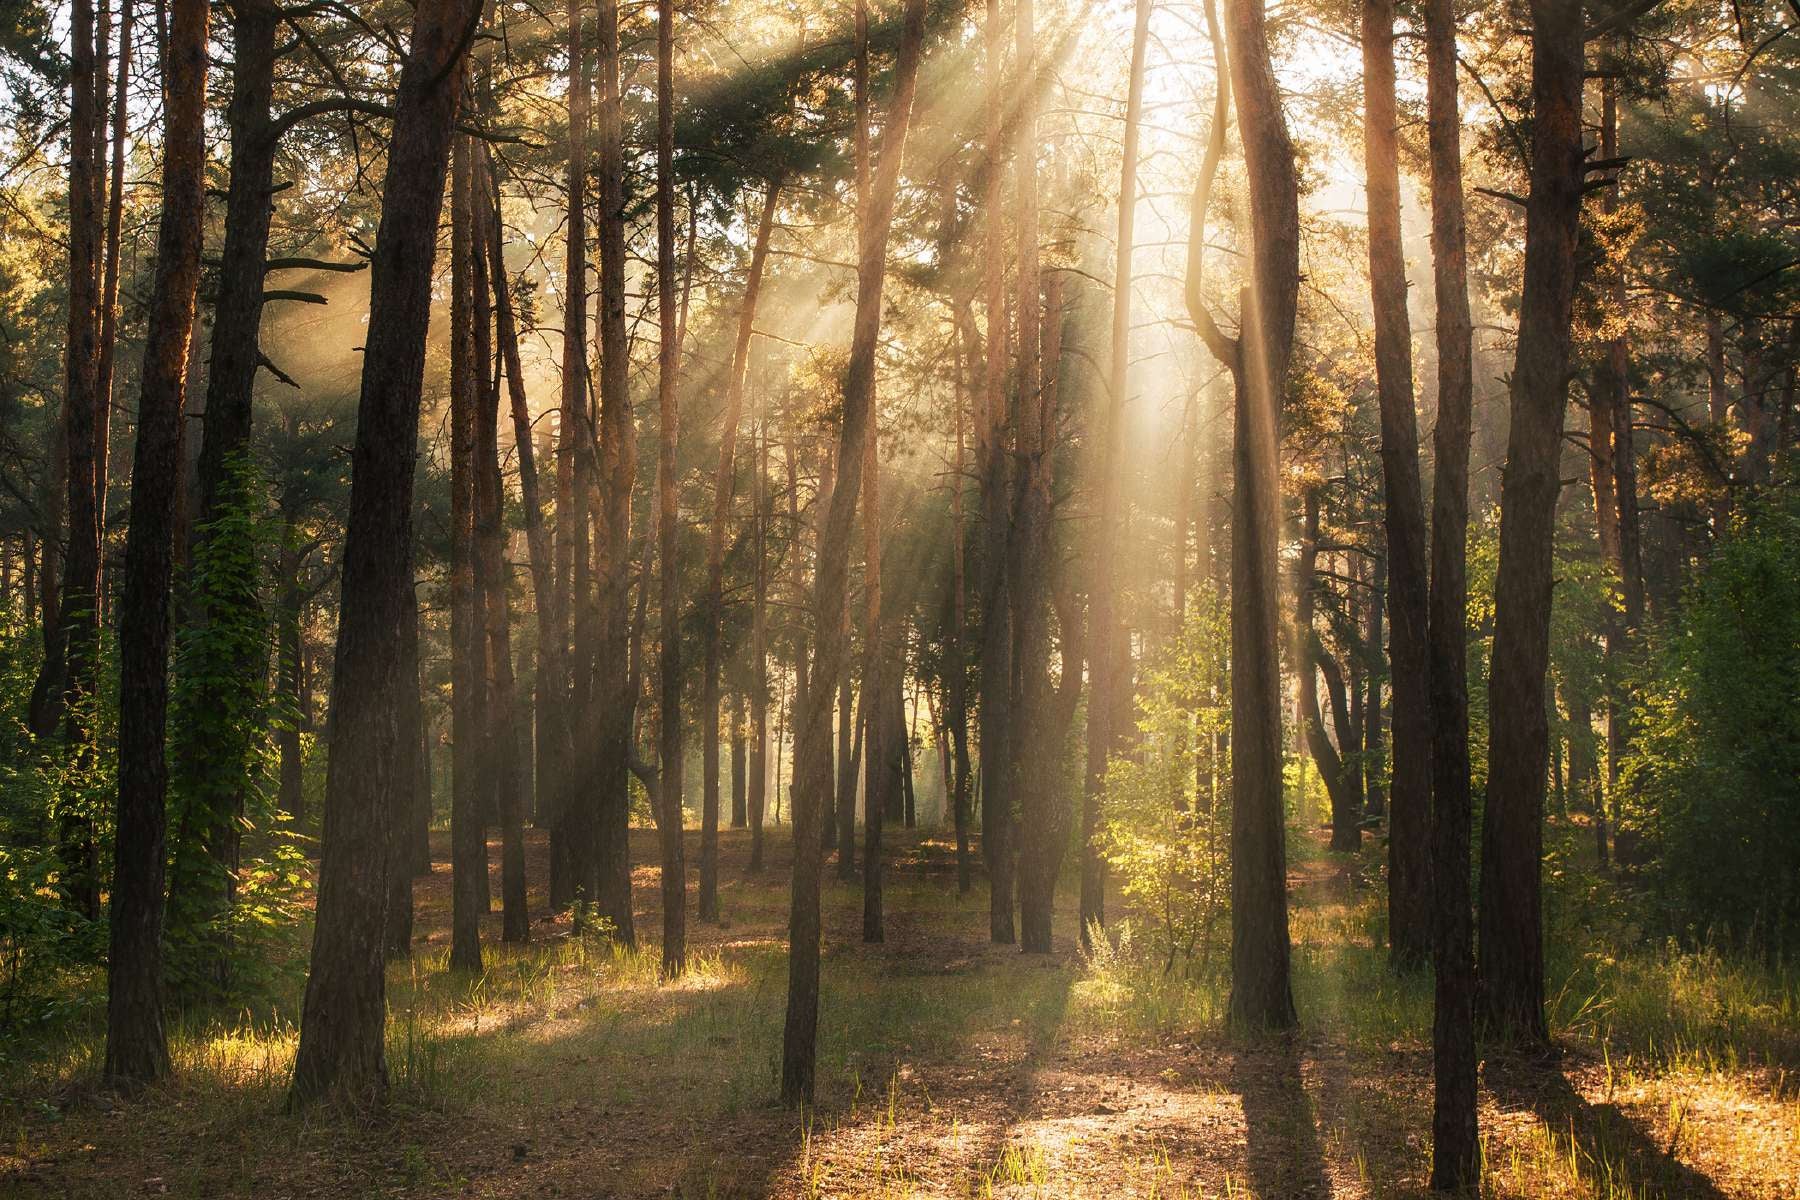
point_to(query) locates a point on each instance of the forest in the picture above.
(900, 598)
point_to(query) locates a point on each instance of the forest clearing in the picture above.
(949, 1068)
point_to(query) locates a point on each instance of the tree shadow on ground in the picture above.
(1614, 1152)
(1282, 1137)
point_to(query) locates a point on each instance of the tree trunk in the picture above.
(1260, 993)
(79, 615)
(343, 1022)
(618, 470)
(996, 698)
(740, 813)
(136, 1050)
(1309, 656)
(723, 487)
(849, 760)
(1105, 700)
(800, 1032)
(402, 866)
(1043, 818)
(674, 867)
(759, 651)
(1455, 1137)
(956, 675)
(1409, 800)
(1511, 935)
(1374, 749)
(501, 730)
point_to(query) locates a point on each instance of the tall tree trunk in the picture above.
(674, 866)
(289, 611)
(549, 688)
(995, 464)
(109, 288)
(800, 1032)
(723, 486)
(1409, 800)
(956, 676)
(136, 1050)
(1261, 996)
(1455, 1137)
(1511, 934)
(618, 470)
(1105, 700)
(1043, 817)
(501, 731)
(343, 1021)
(79, 617)
(574, 831)
(759, 649)
(468, 837)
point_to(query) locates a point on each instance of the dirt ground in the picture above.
(949, 1067)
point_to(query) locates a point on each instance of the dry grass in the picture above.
(948, 1068)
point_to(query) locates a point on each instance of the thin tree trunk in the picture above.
(759, 650)
(1511, 933)
(800, 1032)
(79, 617)
(996, 698)
(674, 867)
(740, 813)
(956, 714)
(136, 1050)
(468, 839)
(401, 865)
(849, 761)
(618, 470)
(723, 486)
(1455, 1136)
(501, 731)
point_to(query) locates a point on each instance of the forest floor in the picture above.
(948, 1067)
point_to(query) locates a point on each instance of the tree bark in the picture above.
(1409, 800)
(343, 1021)
(618, 470)
(995, 691)
(1511, 920)
(79, 613)
(674, 866)
(800, 1032)
(1455, 1136)
(136, 1049)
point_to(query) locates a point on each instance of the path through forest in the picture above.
(949, 1067)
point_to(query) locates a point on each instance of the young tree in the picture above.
(342, 1023)
(136, 1051)
(1511, 920)
(800, 1031)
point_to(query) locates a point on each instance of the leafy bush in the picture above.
(1714, 777)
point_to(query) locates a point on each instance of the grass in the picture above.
(947, 1068)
